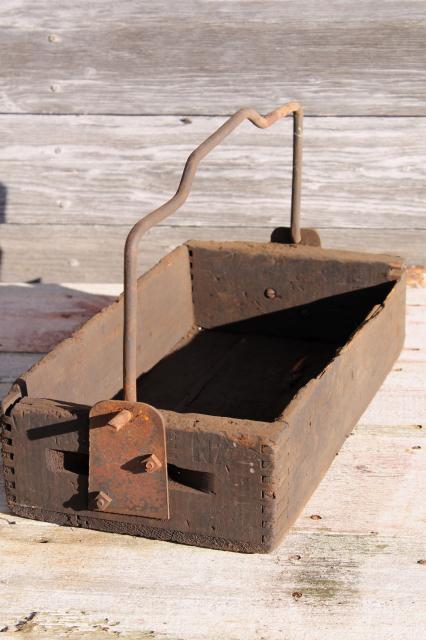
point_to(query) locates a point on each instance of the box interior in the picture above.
(252, 369)
(213, 339)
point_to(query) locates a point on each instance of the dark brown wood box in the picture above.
(261, 359)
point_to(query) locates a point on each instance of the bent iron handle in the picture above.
(169, 207)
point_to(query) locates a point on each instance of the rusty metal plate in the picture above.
(128, 461)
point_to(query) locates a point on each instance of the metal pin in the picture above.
(152, 463)
(120, 419)
(102, 500)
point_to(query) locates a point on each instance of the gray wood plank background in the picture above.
(101, 102)
(210, 56)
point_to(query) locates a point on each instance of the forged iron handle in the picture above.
(182, 193)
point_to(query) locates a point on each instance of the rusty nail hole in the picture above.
(294, 557)
(416, 446)
(270, 293)
(421, 562)
(315, 516)
(297, 595)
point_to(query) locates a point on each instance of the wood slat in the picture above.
(367, 173)
(56, 253)
(12, 364)
(361, 555)
(36, 317)
(56, 310)
(337, 57)
(364, 187)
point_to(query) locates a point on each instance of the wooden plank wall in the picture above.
(101, 102)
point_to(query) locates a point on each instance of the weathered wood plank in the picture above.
(57, 310)
(62, 253)
(54, 315)
(367, 173)
(12, 364)
(338, 57)
(323, 577)
(403, 406)
(374, 462)
(36, 317)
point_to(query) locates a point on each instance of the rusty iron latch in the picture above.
(128, 461)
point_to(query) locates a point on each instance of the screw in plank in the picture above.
(152, 463)
(102, 500)
(270, 293)
(120, 419)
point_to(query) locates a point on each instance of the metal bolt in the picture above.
(120, 419)
(270, 293)
(102, 500)
(53, 38)
(152, 463)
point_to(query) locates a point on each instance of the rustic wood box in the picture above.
(261, 358)
(245, 366)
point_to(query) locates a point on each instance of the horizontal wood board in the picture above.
(357, 172)
(94, 254)
(359, 553)
(203, 57)
(71, 187)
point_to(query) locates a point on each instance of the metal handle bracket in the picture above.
(183, 190)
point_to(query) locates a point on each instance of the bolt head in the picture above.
(152, 463)
(102, 500)
(120, 419)
(270, 293)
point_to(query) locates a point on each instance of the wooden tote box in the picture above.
(246, 365)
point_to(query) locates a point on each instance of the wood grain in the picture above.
(35, 319)
(200, 57)
(364, 173)
(78, 184)
(58, 310)
(80, 253)
(361, 555)
(371, 510)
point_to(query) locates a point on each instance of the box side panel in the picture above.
(87, 367)
(324, 413)
(230, 279)
(219, 476)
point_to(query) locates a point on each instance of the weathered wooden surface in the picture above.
(80, 253)
(43, 321)
(366, 173)
(354, 572)
(72, 187)
(201, 57)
